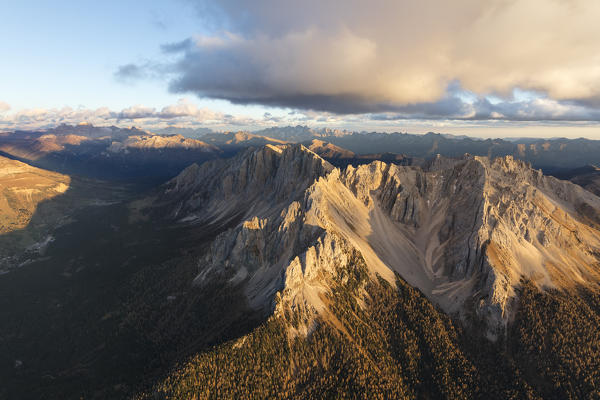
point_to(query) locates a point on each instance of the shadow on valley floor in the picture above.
(109, 307)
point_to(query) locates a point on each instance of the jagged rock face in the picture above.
(428, 220)
(464, 231)
(538, 227)
(476, 226)
(254, 183)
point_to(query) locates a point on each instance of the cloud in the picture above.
(4, 107)
(130, 72)
(185, 108)
(136, 112)
(184, 114)
(177, 46)
(392, 56)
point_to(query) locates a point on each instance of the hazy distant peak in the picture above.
(162, 141)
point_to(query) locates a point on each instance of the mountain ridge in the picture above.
(408, 220)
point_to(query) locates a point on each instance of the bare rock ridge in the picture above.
(464, 231)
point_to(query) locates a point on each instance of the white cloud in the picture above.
(4, 107)
(183, 114)
(136, 112)
(185, 108)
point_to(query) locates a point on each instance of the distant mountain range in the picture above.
(107, 152)
(127, 153)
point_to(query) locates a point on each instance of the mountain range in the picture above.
(106, 152)
(86, 149)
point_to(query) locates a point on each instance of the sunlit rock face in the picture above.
(22, 188)
(464, 231)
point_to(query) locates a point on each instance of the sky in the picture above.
(524, 68)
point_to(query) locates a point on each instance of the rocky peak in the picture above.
(255, 179)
